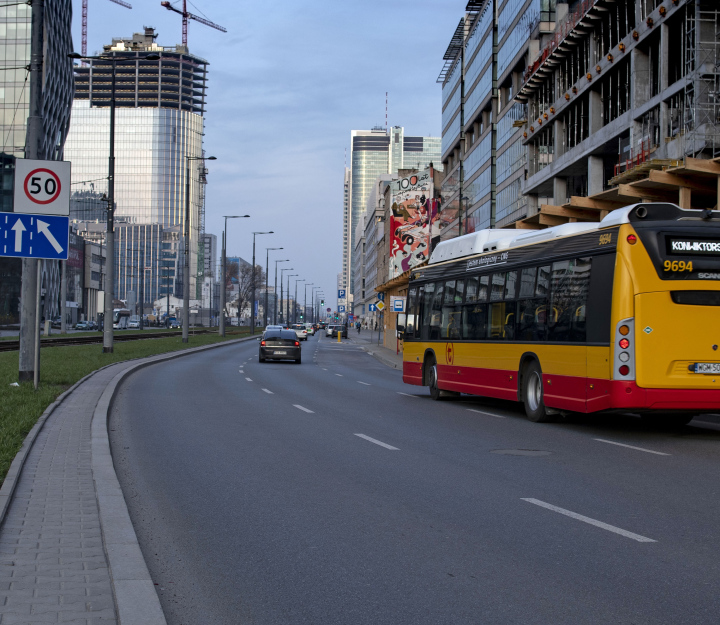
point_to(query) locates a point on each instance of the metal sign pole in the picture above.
(38, 295)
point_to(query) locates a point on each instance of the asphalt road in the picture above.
(332, 493)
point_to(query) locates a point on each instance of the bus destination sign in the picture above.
(701, 247)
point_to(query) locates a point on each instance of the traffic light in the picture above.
(322, 302)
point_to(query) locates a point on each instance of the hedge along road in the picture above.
(329, 492)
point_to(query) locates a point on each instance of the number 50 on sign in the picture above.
(42, 187)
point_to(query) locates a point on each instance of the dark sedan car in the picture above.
(280, 345)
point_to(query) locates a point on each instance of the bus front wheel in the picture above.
(533, 394)
(432, 378)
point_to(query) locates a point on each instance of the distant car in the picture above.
(328, 331)
(83, 325)
(134, 322)
(274, 327)
(334, 330)
(280, 345)
(300, 331)
(56, 322)
(174, 322)
(310, 329)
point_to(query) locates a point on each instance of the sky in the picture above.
(287, 83)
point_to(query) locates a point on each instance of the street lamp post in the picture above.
(287, 307)
(223, 270)
(295, 301)
(186, 235)
(312, 299)
(275, 308)
(110, 234)
(304, 310)
(267, 284)
(281, 291)
(252, 303)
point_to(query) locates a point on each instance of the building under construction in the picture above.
(546, 103)
(621, 101)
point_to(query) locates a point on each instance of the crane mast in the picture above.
(122, 3)
(186, 15)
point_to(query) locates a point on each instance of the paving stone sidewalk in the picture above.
(53, 567)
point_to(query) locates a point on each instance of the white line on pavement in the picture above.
(268, 392)
(323, 368)
(299, 407)
(407, 394)
(377, 442)
(584, 519)
(248, 379)
(339, 375)
(647, 451)
(489, 414)
(365, 383)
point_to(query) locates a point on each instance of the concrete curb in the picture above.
(380, 357)
(136, 599)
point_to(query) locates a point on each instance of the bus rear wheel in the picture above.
(533, 394)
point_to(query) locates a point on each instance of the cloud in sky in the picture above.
(287, 84)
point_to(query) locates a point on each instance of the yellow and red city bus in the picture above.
(621, 315)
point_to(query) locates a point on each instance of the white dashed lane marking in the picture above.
(596, 523)
(299, 407)
(249, 379)
(377, 442)
(268, 392)
(647, 451)
(365, 383)
(489, 414)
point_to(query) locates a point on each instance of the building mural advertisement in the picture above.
(413, 209)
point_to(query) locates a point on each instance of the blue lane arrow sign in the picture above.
(34, 236)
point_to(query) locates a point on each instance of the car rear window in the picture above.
(288, 334)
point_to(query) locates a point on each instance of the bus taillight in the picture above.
(624, 357)
(631, 239)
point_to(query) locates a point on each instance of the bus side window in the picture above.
(569, 292)
(527, 282)
(410, 322)
(483, 288)
(510, 284)
(450, 324)
(498, 287)
(498, 317)
(471, 290)
(426, 304)
(474, 321)
(530, 320)
(543, 281)
(436, 312)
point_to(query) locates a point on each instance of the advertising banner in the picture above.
(412, 210)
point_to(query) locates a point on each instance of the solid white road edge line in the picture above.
(377, 442)
(647, 451)
(299, 407)
(489, 414)
(584, 519)
(365, 383)
(268, 392)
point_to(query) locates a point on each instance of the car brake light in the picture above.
(624, 343)
(262, 343)
(624, 370)
(297, 343)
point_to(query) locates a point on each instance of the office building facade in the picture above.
(374, 153)
(15, 25)
(159, 127)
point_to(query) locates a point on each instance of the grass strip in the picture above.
(60, 368)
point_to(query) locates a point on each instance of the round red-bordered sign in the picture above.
(43, 185)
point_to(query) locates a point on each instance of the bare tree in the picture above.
(246, 275)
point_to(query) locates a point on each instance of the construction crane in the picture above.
(84, 20)
(189, 16)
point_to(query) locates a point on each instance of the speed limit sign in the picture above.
(42, 187)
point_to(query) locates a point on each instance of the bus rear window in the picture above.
(696, 298)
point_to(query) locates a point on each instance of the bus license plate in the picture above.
(280, 353)
(707, 367)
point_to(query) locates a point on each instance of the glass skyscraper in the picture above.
(15, 22)
(376, 152)
(158, 125)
